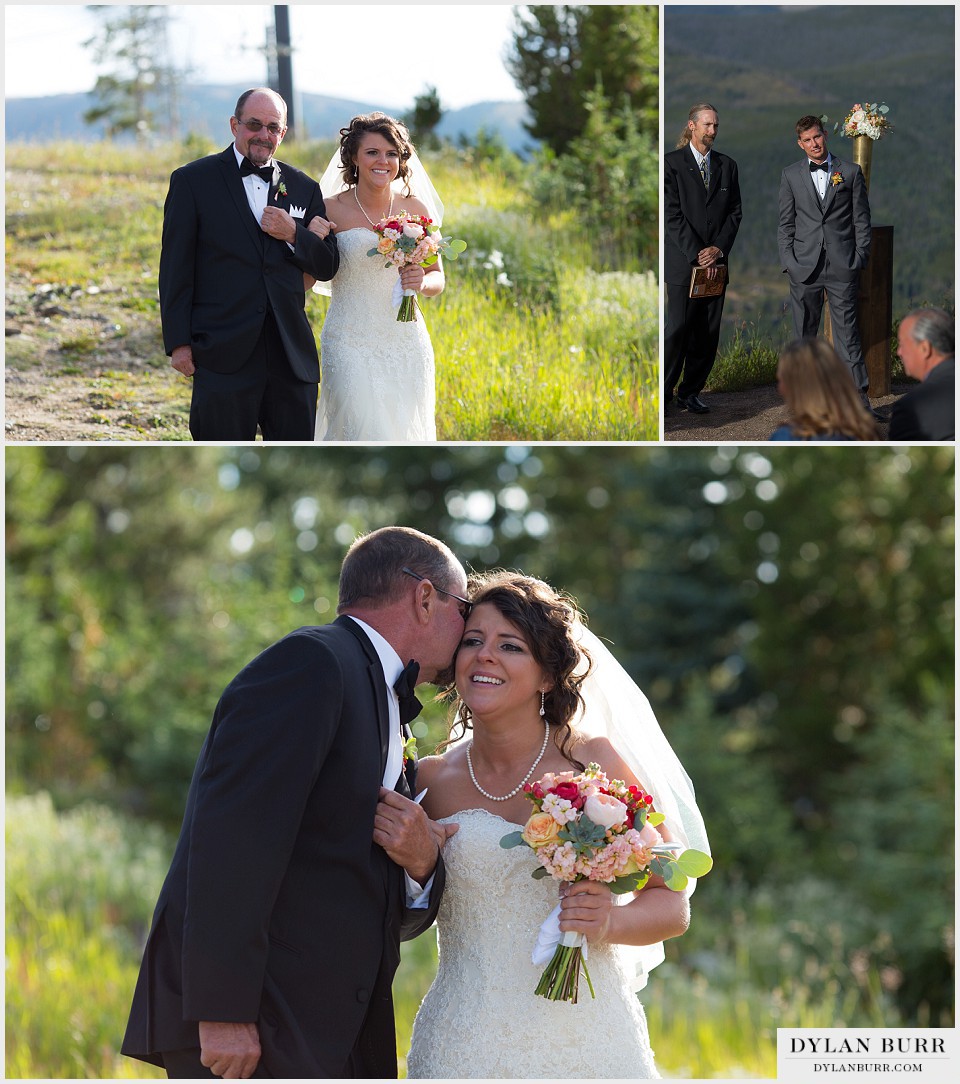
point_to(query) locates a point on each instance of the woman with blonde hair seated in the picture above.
(821, 399)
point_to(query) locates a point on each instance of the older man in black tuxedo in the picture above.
(302, 861)
(234, 253)
(925, 344)
(702, 213)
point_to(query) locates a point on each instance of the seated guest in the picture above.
(925, 346)
(822, 400)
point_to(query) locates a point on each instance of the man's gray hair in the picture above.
(933, 326)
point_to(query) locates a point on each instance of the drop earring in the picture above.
(543, 697)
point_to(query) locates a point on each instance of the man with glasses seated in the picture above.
(233, 257)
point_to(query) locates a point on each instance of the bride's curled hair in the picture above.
(393, 131)
(546, 618)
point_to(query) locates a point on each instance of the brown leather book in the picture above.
(702, 286)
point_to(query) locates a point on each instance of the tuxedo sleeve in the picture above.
(178, 250)
(272, 731)
(317, 256)
(675, 222)
(416, 920)
(861, 218)
(787, 227)
(731, 224)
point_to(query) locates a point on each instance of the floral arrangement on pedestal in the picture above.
(868, 120)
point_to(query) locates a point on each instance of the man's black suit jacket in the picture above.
(693, 218)
(278, 907)
(927, 412)
(219, 272)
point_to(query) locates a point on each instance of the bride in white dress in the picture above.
(524, 649)
(377, 380)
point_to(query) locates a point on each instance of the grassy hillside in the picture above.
(535, 338)
(763, 67)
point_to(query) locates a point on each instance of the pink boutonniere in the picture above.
(281, 191)
(836, 178)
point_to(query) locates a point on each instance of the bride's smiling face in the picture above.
(377, 160)
(495, 668)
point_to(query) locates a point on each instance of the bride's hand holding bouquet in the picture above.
(408, 241)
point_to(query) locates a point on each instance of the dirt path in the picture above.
(73, 372)
(745, 415)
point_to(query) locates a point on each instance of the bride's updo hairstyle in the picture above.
(546, 620)
(380, 124)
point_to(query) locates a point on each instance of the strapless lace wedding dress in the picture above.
(376, 374)
(481, 1018)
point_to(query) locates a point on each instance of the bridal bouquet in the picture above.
(868, 120)
(406, 239)
(588, 827)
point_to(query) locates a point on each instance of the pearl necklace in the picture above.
(364, 213)
(517, 788)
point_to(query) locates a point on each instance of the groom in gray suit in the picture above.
(824, 241)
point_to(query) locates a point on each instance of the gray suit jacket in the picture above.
(840, 225)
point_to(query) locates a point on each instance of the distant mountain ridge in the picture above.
(204, 111)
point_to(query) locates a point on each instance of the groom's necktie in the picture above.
(814, 166)
(265, 172)
(410, 706)
(705, 174)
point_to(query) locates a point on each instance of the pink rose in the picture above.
(605, 810)
(412, 229)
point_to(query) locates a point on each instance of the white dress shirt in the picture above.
(258, 192)
(393, 665)
(819, 178)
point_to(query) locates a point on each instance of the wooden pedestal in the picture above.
(876, 311)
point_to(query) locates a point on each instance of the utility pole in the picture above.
(284, 62)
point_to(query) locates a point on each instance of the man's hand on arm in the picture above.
(407, 834)
(276, 222)
(228, 1050)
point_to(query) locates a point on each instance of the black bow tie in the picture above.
(265, 172)
(410, 706)
(814, 166)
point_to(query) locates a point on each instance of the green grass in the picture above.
(535, 338)
(81, 887)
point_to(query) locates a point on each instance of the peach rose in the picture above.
(540, 830)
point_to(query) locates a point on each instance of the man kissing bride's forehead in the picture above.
(315, 839)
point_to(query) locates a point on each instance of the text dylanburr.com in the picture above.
(807, 1055)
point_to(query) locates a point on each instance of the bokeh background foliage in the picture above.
(789, 612)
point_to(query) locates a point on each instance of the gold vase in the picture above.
(863, 156)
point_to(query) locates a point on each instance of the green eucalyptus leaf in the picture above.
(512, 839)
(674, 878)
(695, 863)
(539, 873)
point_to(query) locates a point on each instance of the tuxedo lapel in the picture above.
(836, 166)
(274, 181)
(238, 195)
(378, 687)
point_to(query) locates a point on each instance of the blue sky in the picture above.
(340, 51)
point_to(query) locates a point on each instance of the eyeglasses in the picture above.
(465, 604)
(256, 125)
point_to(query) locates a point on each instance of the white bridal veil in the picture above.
(614, 707)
